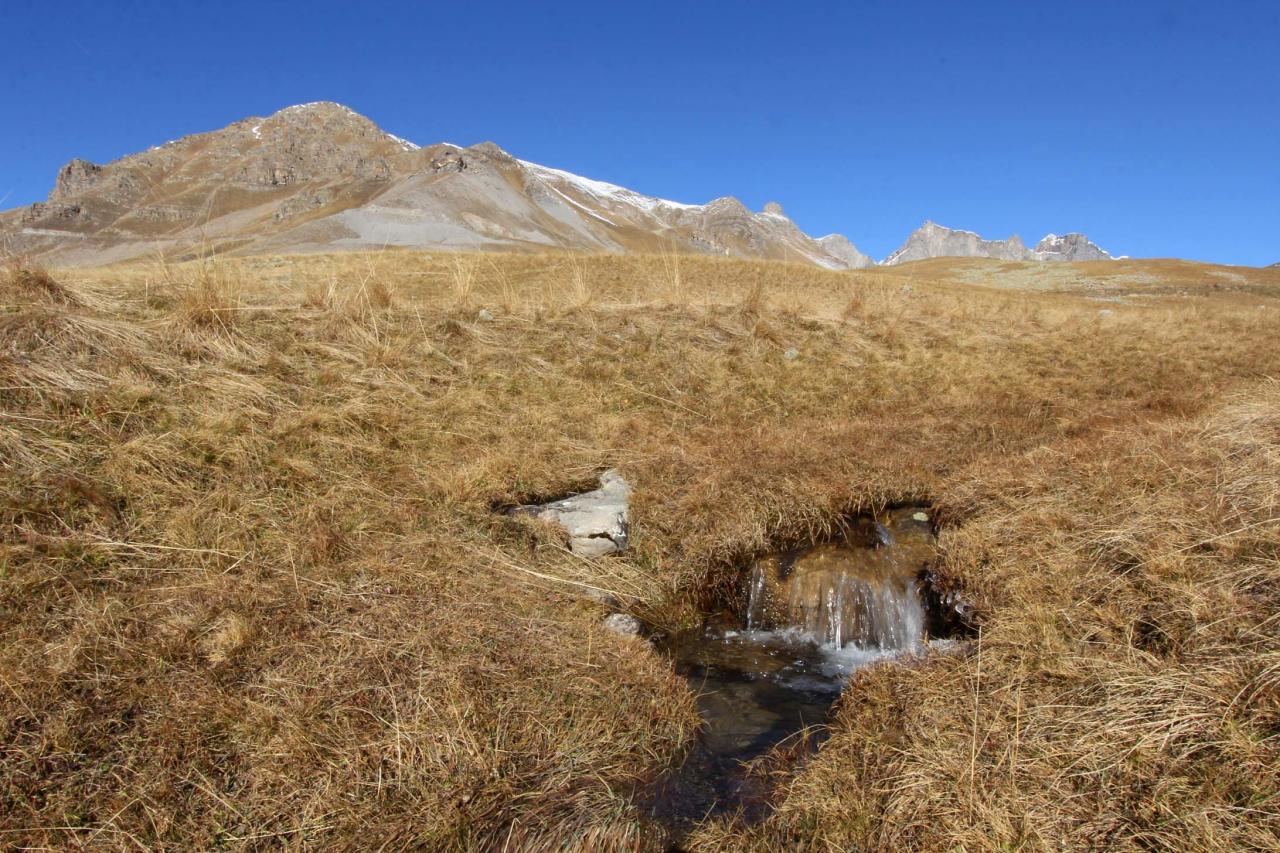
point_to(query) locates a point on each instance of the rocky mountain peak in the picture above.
(1070, 247)
(841, 247)
(728, 204)
(493, 150)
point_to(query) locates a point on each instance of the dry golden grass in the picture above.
(252, 592)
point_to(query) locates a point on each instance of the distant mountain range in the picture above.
(321, 177)
(934, 241)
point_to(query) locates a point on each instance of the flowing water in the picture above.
(765, 679)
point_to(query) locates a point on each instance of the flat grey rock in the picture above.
(596, 521)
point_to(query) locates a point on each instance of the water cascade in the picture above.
(806, 619)
(861, 592)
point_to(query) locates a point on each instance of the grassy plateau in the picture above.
(254, 595)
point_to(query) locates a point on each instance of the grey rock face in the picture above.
(53, 212)
(839, 246)
(74, 178)
(596, 521)
(936, 241)
(1070, 247)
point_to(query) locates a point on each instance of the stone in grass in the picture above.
(623, 624)
(596, 521)
(791, 354)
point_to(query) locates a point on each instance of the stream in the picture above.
(767, 670)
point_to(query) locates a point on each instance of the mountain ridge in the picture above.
(321, 176)
(932, 240)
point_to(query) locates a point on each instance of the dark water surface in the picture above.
(755, 691)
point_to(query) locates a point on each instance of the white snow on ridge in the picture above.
(606, 191)
(404, 143)
(588, 211)
(314, 104)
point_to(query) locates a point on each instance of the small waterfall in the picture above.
(839, 609)
(861, 595)
(756, 587)
(812, 618)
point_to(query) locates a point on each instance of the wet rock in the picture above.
(623, 624)
(596, 521)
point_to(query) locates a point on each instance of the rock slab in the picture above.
(596, 521)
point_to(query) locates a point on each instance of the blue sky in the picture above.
(1152, 126)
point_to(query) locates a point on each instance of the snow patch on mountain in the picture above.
(603, 190)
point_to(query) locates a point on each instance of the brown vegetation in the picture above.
(252, 593)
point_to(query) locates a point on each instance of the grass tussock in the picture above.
(23, 283)
(253, 594)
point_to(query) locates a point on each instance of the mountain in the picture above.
(1070, 247)
(322, 177)
(935, 241)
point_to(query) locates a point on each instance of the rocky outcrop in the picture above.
(53, 214)
(75, 178)
(936, 241)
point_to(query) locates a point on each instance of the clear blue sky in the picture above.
(1152, 126)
